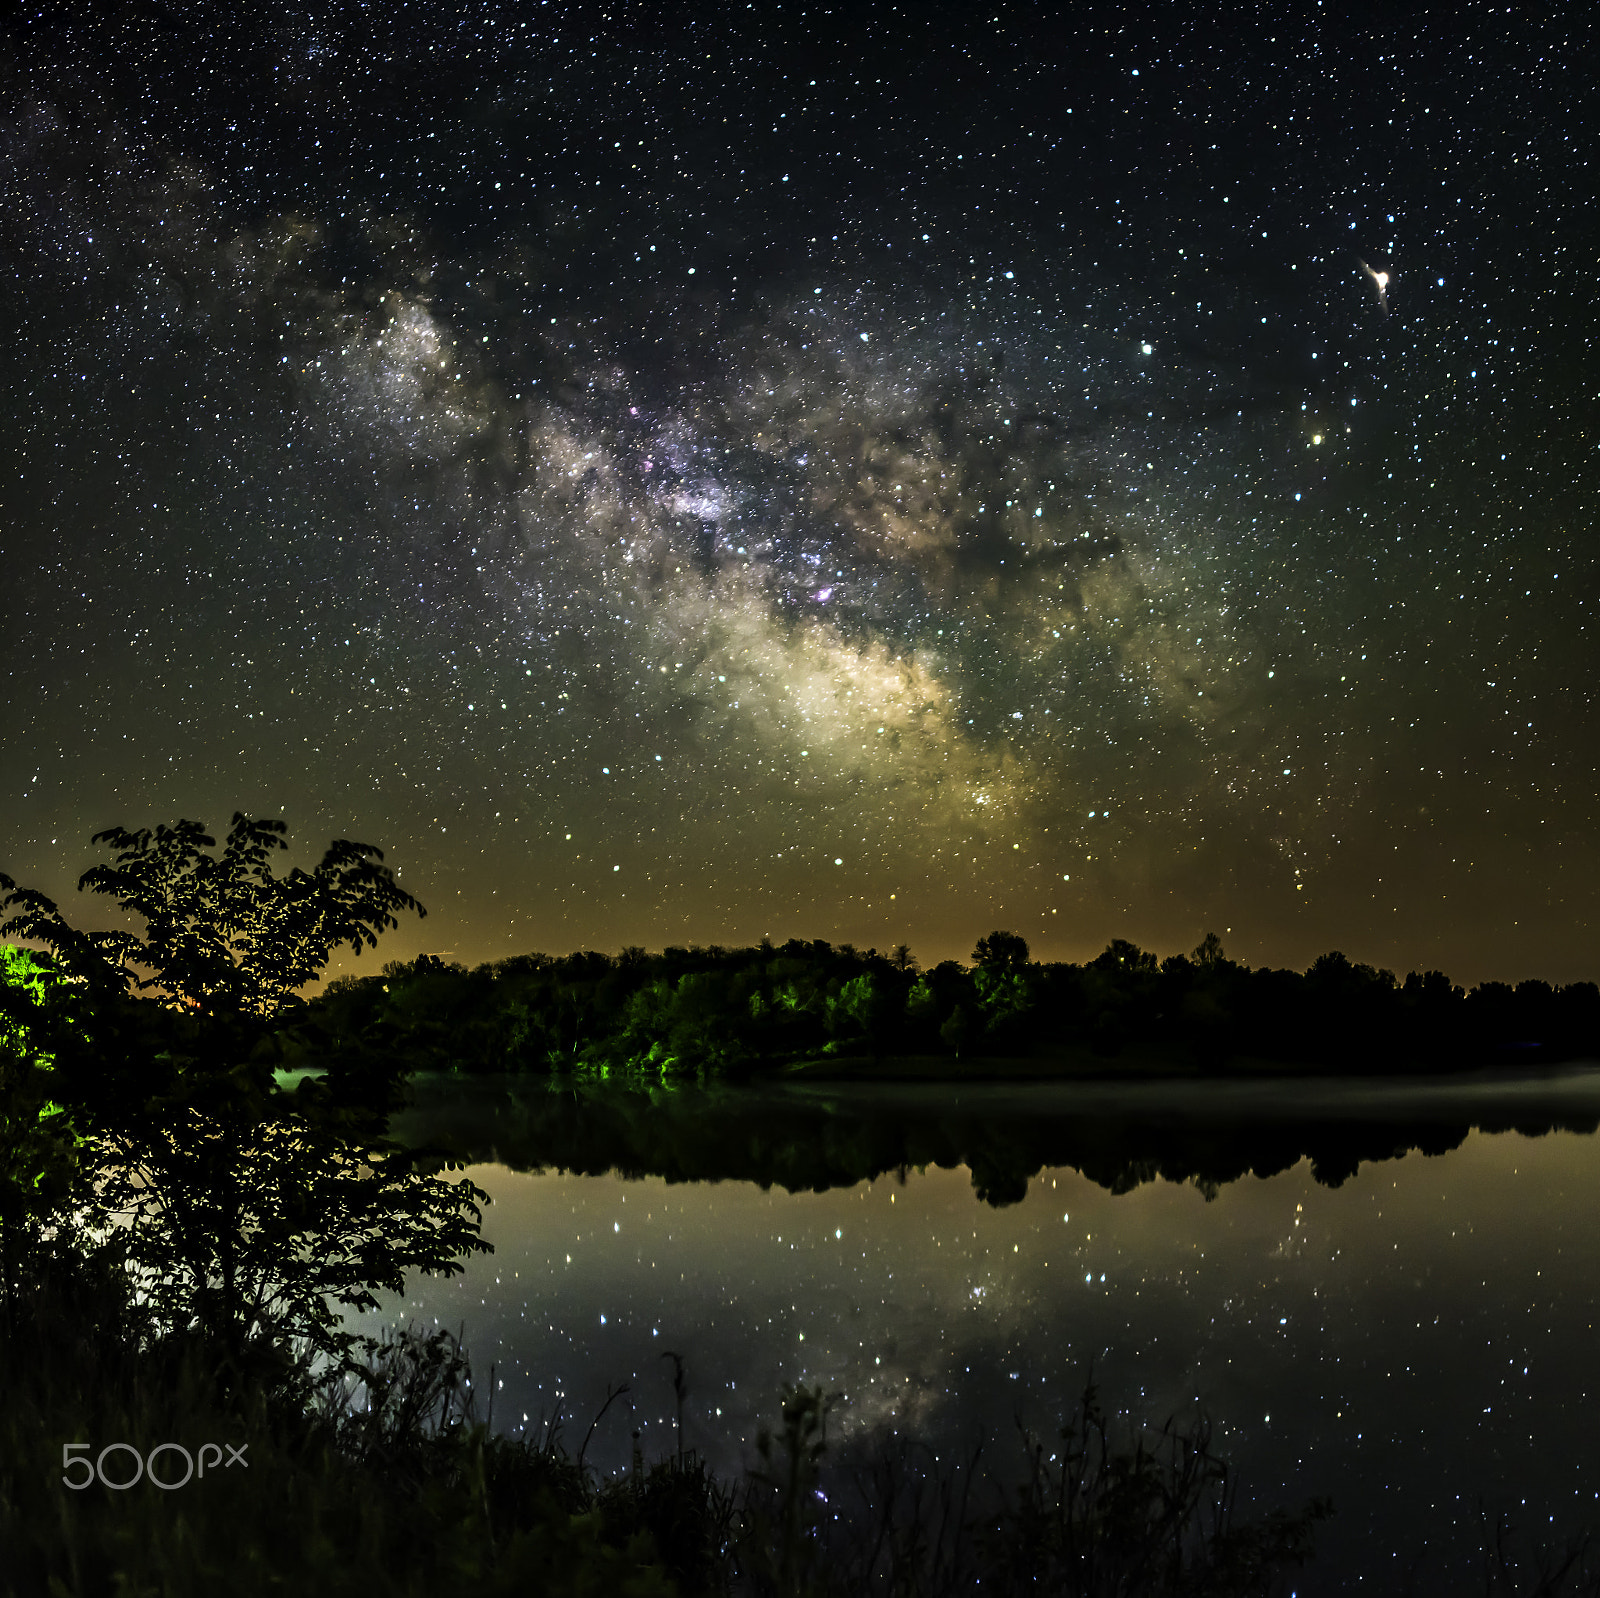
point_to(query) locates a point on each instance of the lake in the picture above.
(1382, 1292)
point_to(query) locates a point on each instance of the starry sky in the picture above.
(679, 475)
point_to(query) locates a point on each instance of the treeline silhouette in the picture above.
(724, 1012)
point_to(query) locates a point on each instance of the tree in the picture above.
(957, 1029)
(1007, 950)
(866, 1004)
(1331, 969)
(1122, 956)
(1005, 994)
(922, 1001)
(251, 1211)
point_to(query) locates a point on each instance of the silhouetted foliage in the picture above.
(249, 1212)
(1003, 949)
(698, 1012)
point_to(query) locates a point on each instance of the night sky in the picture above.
(673, 475)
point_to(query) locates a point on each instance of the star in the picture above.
(1380, 282)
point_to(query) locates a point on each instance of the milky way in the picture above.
(682, 490)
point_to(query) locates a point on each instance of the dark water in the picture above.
(1382, 1294)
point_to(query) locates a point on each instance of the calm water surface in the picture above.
(1409, 1342)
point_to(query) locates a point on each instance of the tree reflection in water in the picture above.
(810, 1140)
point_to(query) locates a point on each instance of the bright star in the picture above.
(1380, 281)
